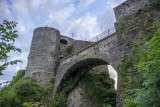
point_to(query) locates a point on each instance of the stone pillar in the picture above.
(43, 56)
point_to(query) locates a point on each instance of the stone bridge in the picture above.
(107, 51)
(103, 52)
(48, 46)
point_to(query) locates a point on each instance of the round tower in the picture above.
(43, 56)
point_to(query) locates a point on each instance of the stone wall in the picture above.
(129, 7)
(79, 44)
(43, 54)
(76, 46)
(63, 53)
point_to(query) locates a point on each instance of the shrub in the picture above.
(69, 48)
(24, 90)
(29, 104)
(60, 100)
(129, 102)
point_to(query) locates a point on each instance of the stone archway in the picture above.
(77, 71)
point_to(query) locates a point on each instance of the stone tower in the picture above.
(43, 56)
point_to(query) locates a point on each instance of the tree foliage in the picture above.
(8, 34)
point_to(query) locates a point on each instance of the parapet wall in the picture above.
(129, 7)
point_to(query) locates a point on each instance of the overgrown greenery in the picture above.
(100, 88)
(60, 99)
(146, 63)
(149, 68)
(22, 90)
(69, 48)
(7, 39)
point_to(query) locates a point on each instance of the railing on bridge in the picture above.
(103, 35)
(94, 40)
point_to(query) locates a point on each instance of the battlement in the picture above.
(129, 7)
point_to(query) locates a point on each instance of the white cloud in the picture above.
(84, 4)
(84, 27)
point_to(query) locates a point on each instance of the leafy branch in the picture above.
(7, 39)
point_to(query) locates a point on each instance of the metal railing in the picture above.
(93, 41)
(103, 35)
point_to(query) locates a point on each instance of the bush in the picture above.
(24, 90)
(129, 102)
(69, 48)
(60, 100)
(29, 104)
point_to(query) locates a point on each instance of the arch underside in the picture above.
(78, 69)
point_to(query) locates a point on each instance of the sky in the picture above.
(83, 18)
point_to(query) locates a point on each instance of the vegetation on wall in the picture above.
(145, 61)
(69, 48)
(60, 99)
(23, 92)
(100, 88)
(149, 67)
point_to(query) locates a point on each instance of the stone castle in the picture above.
(47, 49)
(48, 57)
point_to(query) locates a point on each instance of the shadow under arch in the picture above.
(77, 70)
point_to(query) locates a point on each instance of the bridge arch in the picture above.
(76, 70)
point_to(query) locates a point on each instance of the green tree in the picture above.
(7, 40)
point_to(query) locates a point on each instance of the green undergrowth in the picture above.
(22, 91)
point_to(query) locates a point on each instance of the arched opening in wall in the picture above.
(92, 78)
(63, 41)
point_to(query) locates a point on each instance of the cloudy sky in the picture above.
(84, 18)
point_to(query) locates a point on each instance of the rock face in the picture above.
(42, 61)
(78, 98)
